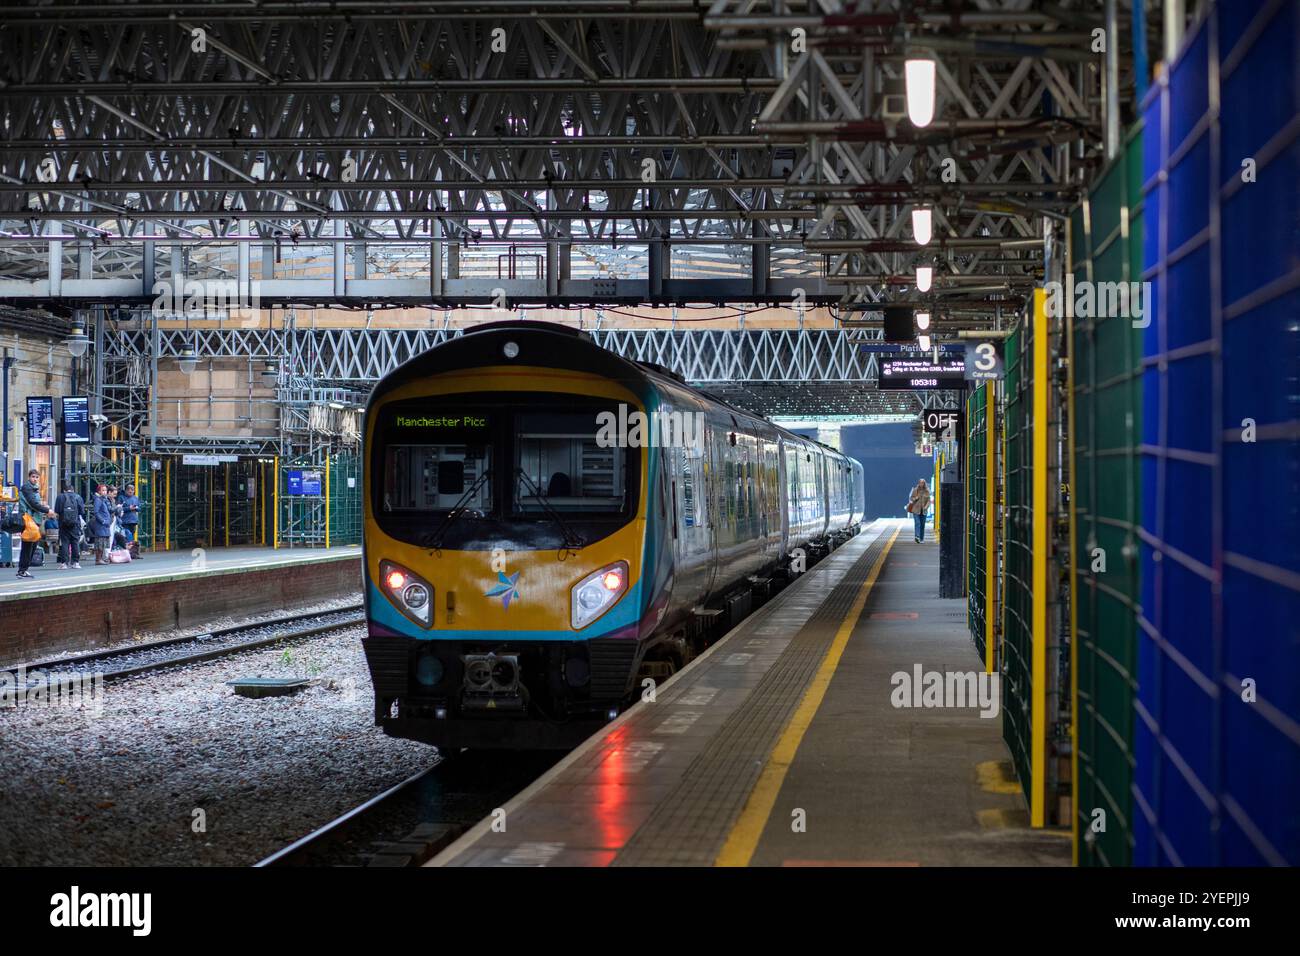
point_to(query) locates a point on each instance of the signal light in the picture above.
(395, 580)
(612, 581)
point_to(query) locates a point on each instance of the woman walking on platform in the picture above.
(917, 504)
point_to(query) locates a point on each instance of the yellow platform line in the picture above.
(743, 839)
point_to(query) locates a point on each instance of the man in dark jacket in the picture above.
(31, 502)
(130, 514)
(71, 509)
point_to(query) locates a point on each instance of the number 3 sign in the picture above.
(983, 362)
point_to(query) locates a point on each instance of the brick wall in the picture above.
(46, 625)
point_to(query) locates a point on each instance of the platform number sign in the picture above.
(984, 361)
(947, 424)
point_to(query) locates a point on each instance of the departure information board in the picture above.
(40, 421)
(920, 371)
(76, 420)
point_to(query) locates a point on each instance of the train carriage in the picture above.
(546, 522)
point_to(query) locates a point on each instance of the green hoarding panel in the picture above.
(1106, 247)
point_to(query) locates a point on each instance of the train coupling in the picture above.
(491, 682)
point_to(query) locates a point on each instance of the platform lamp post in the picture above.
(77, 343)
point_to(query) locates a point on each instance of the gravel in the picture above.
(173, 768)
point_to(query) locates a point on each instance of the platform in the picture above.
(60, 611)
(159, 566)
(781, 746)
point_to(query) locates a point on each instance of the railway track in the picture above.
(124, 662)
(410, 822)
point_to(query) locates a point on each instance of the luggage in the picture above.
(31, 530)
(38, 558)
(119, 556)
(134, 550)
(11, 522)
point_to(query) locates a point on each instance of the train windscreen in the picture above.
(563, 463)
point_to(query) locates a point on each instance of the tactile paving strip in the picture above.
(690, 825)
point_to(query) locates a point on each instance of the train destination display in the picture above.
(919, 371)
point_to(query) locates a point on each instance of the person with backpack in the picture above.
(101, 524)
(71, 509)
(32, 504)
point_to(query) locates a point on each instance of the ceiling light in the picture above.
(77, 342)
(924, 341)
(921, 225)
(919, 74)
(188, 361)
(923, 320)
(924, 276)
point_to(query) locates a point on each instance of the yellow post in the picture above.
(227, 504)
(327, 501)
(275, 505)
(167, 507)
(990, 531)
(934, 496)
(1038, 632)
(211, 524)
(136, 481)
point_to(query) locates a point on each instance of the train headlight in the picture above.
(416, 596)
(510, 350)
(598, 592)
(410, 593)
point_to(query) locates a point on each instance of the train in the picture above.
(550, 527)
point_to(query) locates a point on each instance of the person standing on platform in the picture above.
(130, 515)
(31, 503)
(101, 523)
(71, 509)
(917, 505)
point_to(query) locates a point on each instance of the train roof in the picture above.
(477, 345)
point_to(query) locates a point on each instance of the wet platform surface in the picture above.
(783, 745)
(158, 566)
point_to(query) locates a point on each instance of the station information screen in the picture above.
(920, 371)
(40, 421)
(76, 419)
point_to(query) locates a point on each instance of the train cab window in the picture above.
(435, 477)
(559, 459)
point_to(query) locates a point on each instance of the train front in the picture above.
(505, 540)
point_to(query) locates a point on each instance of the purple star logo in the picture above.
(507, 588)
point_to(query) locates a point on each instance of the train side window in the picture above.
(674, 500)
